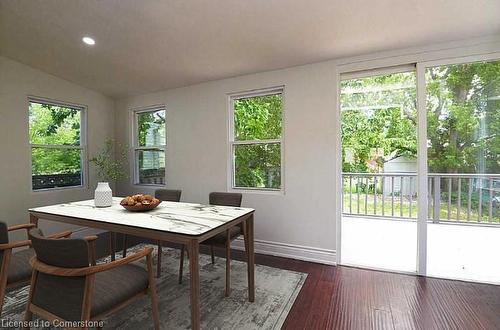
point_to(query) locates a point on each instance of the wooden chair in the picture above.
(65, 287)
(222, 240)
(167, 195)
(15, 269)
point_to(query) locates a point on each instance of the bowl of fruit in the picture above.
(140, 203)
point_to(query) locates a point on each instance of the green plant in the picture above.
(109, 168)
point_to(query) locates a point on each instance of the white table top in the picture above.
(181, 218)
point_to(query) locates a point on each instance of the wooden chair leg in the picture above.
(3, 276)
(212, 253)
(28, 314)
(228, 264)
(152, 293)
(158, 266)
(124, 245)
(181, 263)
(87, 298)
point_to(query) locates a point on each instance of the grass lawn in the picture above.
(384, 206)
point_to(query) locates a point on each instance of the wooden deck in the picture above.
(458, 251)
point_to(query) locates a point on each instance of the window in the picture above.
(57, 148)
(255, 139)
(149, 146)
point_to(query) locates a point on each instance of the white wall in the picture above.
(197, 139)
(304, 222)
(17, 81)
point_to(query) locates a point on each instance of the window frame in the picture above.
(231, 180)
(82, 146)
(136, 148)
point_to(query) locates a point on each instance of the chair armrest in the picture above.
(61, 271)
(26, 226)
(62, 234)
(15, 244)
(90, 238)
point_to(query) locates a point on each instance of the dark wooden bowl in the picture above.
(141, 208)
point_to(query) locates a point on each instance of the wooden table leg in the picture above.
(194, 273)
(250, 259)
(158, 256)
(124, 244)
(112, 245)
(228, 263)
(34, 219)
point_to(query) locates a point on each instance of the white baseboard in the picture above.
(306, 253)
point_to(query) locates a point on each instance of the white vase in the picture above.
(103, 196)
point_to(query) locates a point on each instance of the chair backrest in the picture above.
(168, 195)
(59, 295)
(68, 253)
(225, 199)
(4, 237)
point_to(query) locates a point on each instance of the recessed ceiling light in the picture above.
(88, 40)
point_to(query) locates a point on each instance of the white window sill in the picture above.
(258, 191)
(152, 185)
(59, 189)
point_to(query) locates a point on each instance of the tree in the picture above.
(258, 118)
(54, 125)
(378, 121)
(151, 126)
(463, 118)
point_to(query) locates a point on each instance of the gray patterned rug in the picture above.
(275, 292)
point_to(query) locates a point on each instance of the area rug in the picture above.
(275, 292)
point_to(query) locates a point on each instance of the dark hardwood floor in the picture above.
(352, 298)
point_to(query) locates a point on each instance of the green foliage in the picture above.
(258, 118)
(151, 128)
(463, 115)
(109, 168)
(463, 118)
(45, 161)
(387, 129)
(258, 165)
(378, 114)
(54, 125)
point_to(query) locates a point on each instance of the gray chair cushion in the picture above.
(225, 199)
(20, 268)
(63, 296)
(168, 195)
(66, 252)
(115, 286)
(220, 239)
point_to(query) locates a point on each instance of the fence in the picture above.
(471, 198)
(56, 180)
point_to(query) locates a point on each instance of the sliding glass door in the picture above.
(462, 106)
(437, 214)
(379, 163)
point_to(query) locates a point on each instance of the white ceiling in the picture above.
(150, 45)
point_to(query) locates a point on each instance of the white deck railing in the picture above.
(470, 198)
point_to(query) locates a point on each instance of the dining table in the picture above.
(177, 222)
